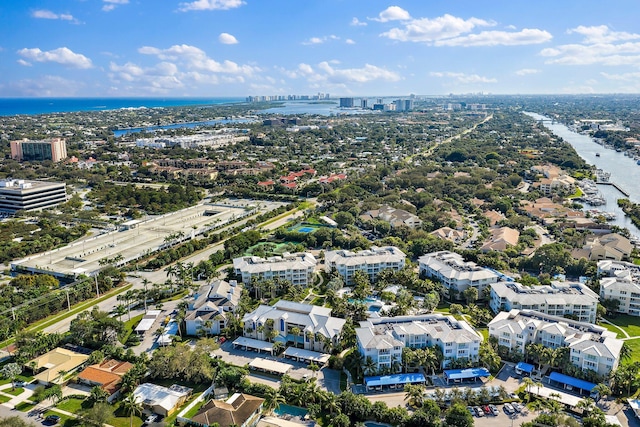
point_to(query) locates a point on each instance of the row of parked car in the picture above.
(481, 411)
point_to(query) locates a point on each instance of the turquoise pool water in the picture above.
(374, 424)
(296, 411)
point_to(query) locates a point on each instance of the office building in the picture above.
(297, 268)
(370, 262)
(25, 150)
(383, 338)
(19, 194)
(591, 347)
(363, 104)
(557, 299)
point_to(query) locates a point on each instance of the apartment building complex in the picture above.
(455, 274)
(591, 347)
(25, 150)
(295, 323)
(383, 338)
(558, 299)
(297, 268)
(209, 307)
(622, 282)
(371, 261)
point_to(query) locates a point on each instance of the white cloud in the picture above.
(392, 13)
(349, 41)
(320, 40)
(327, 73)
(498, 38)
(160, 78)
(355, 22)
(602, 34)
(47, 86)
(600, 45)
(527, 71)
(210, 5)
(25, 63)
(62, 55)
(226, 38)
(196, 59)
(111, 4)
(437, 29)
(463, 78)
(47, 14)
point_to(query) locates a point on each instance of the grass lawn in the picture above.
(634, 346)
(631, 324)
(129, 325)
(16, 392)
(72, 405)
(122, 420)
(65, 420)
(25, 407)
(4, 399)
(24, 378)
(484, 332)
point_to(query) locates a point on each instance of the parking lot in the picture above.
(328, 379)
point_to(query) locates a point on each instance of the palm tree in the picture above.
(537, 405)
(625, 352)
(587, 405)
(295, 331)
(602, 390)
(272, 400)
(131, 407)
(370, 366)
(414, 394)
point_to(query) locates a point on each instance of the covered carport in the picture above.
(523, 368)
(306, 356)
(269, 366)
(393, 381)
(571, 383)
(253, 344)
(459, 375)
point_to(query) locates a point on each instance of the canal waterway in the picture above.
(625, 172)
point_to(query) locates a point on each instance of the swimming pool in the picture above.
(374, 424)
(375, 308)
(296, 411)
(305, 229)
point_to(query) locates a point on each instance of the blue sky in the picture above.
(217, 48)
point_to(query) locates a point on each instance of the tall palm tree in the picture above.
(370, 366)
(272, 400)
(131, 407)
(414, 394)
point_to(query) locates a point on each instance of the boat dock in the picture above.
(617, 187)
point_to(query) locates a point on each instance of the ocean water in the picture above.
(28, 106)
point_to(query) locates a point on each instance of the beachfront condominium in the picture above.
(25, 150)
(558, 299)
(296, 268)
(591, 347)
(371, 262)
(622, 283)
(455, 274)
(309, 326)
(382, 339)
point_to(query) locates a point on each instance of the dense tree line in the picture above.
(150, 200)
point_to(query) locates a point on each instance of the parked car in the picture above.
(518, 407)
(486, 410)
(494, 410)
(20, 384)
(51, 420)
(471, 410)
(479, 412)
(151, 419)
(222, 340)
(508, 409)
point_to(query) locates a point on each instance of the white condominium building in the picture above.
(371, 261)
(297, 268)
(294, 323)
(622, 283)
(591, 347)
(454, 273)
(558, 299)
(383, 338)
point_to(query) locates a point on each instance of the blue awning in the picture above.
(524, 367)
(573, 382)
(394, 379)
(463, 374)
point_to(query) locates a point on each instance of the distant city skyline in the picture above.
(222, 48)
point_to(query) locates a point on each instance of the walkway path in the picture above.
(622, 331)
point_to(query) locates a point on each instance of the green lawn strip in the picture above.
(484, 332)
(24, 378)
(613, 328)
(634, 346)
(170, 420)
(122, 419)
(129, 325)
(65, 420)
(15, 392)
(631, 324)
(194, 410)
(4, 399)
(279, 217)
(73, 405)
(25, 407)
(51, 320)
